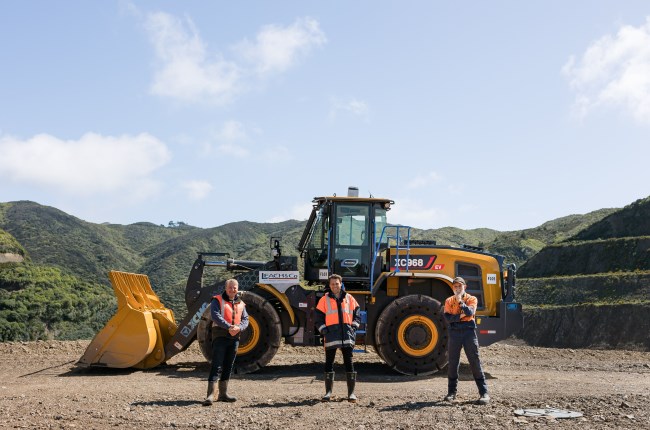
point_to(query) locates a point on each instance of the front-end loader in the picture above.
(400, 283)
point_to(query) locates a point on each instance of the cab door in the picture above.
(352, 241)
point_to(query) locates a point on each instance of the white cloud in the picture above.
(91, 165)
(614, 71)
(424, 180)
(298, 212)
(231, 131)
(189, 72)
(233, 150)
(278, 48)
(413, 213)
(233, 140)
(351, 107)
(197, 190)
(186, 72)
(233, 136)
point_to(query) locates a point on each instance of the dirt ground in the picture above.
(40, 387)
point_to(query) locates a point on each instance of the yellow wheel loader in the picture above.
(400, 283)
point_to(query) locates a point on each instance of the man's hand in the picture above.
(234, 329)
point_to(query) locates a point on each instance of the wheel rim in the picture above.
(252, 337)
(417, 335)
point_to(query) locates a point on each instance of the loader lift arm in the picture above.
(198, 297)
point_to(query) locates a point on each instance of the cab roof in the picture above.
(335, 198)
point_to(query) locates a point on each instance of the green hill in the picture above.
(169, 263)
(573, 286)
(42, 302)
(10, 248)
(619, 242)
(632, 221)
(84, 249)
(456, 236)
(519, 246)
(589, 257)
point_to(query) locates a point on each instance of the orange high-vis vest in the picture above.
(227, 310)
(329, 308)
(453, 307)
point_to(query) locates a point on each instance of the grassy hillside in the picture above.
(592, 289)
(58, 239)
(516, 246)
(620, 287)
(9, 245)
(596, 256)
(520, 246)
(456, 236)
(144, 236)
(83, 249)
(615, 247)
(41, 302)
(632, 221)
(169, 263)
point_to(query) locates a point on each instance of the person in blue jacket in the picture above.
(229, 319)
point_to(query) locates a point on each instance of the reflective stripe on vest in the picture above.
(226, 310)
(332, 314)
(338, 342)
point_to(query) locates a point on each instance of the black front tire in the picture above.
(411, 335)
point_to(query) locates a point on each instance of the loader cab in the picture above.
(341, 237)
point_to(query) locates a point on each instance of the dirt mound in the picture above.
(42, 388)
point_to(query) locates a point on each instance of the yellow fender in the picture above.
(282, 298)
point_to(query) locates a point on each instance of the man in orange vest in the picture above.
(337, 319)
(459, 313)
(229, 319)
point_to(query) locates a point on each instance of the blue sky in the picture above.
(498, 114)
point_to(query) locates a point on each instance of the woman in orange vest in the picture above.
(337, 319)
(229, 319)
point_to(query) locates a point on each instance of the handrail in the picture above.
(398, 239)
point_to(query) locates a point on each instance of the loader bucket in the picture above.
(136, 335)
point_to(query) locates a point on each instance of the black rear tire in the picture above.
(411, 335)
(259, 342)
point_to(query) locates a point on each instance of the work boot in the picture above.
(329, 382)
(352, 378)
(209, 398)
(223, 393)
(484, 399)
(450, 397)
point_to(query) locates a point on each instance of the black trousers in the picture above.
(224, 351)
(330, 354)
